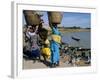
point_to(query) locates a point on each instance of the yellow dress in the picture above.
(46, 51)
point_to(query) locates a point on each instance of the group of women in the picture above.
(37, 44)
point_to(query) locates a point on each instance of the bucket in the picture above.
(31, 17)
(55, 17)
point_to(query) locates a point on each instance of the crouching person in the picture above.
(46, 52)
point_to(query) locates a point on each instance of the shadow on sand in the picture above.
(47, 63)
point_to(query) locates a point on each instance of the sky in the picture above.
(71, 19)
(76, 19)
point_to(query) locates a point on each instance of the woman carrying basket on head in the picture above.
(55, 45)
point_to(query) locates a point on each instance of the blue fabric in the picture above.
(54, 46)
(55, 31)
(55, 56)
(35, 53)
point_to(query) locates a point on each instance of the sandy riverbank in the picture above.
(71, 30)
(74, 30)
(29, 64)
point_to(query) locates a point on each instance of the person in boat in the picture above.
(55, 45)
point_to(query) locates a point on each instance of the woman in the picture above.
(34, 42)
(54, 46)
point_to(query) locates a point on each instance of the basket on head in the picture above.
(55, 17)
(31, 17)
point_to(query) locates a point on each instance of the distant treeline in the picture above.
(74, 27)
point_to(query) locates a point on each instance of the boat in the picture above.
(75, 38)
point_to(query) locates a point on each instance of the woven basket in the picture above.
(55, 17)
(28, 11)
(31, 17)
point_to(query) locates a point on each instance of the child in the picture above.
(46, 52)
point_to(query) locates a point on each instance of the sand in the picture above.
(29, 64)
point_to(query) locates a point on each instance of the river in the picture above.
(84, 42)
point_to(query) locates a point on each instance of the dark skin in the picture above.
(54, 25)
(34, 27)
(31, 30)
(42, 32)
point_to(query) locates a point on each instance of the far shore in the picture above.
(73, 30)
(63, 30)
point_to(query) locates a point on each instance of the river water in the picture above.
(85, 39)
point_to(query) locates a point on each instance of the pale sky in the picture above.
(71, 19)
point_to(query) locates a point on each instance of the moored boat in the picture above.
(75, 38)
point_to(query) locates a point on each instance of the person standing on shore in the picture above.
(55, 45)
(34, 42)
